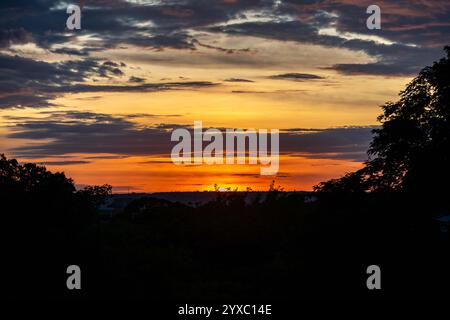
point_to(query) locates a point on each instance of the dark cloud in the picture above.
(75, 52)
(134, 79)
(71, 132)
(396, 60)
(425, 23)
(109, 68)
(296, 76)
(118, 22)
(412, 35)
(21, 100)
(30, 83)
(250, 92)
(147, 87)
(220, 49)
(266, 92)
(339, 143)
(380, 69)
(238, 80)
(17, 70)
(14, 36)
(87, 132)
(149, 115)
(105, 157)
(64, 163)
(416, 30)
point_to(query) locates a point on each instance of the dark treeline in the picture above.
(279, 248)
(274, 248)
(46, 225)
(282, 246)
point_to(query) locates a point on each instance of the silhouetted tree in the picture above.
(47, 225)
(410, 152)
(96, 195)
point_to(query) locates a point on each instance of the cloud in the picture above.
(238, 80)
(30, 83)
(335, 143)
(220, 49)
(296, 76)
(90, 133)
(161, 25)
(134, 79)
(64, 163)
(155, 25)
(412, 36)
(413, 32)
(72, 132)
(380, 69)
(9, 37)
(147, 87)
(249, 92)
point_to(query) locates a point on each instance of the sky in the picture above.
(100, 103)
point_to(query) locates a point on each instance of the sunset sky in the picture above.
(100, 103)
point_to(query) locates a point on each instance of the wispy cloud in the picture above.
(296, 76)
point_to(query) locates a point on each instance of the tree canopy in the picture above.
(26, 189)
(410, 151)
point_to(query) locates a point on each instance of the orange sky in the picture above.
(260, 98)
(265, 103)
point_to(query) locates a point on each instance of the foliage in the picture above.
(47, 224)
(411, 151)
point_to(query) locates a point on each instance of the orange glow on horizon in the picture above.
(159, 174)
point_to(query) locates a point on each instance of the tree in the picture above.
(29, 187)
(410, 152)
(96, 195)
(48, 224)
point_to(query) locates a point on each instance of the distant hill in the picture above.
(116, 202)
